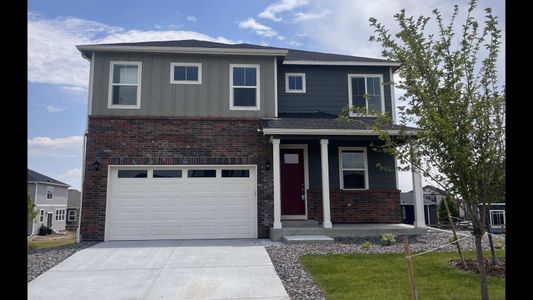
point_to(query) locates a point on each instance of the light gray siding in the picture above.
(161, 98)
(326, 88)
(58, 201)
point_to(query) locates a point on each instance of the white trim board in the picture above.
(339, 63)
(341, 178)
(329, 131)
(191, 50)
(365, 76)
(304, 147)
(302, 91)
(110, 104)
(185, 64)
(257, 87)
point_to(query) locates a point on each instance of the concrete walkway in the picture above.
(185, 269)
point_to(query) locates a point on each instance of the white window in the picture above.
(185, 73)
(58, 212)
(49, 192)
(244, 87)
(294, 82)
(41, 215)
(71, 215)
(366, 91)
(353, 168)
(497, 217)
(125, 84)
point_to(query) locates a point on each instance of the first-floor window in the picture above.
(497, 217)
(244, 87)
(41, 215)
(57, 214)
(71, 216)
(353, 168)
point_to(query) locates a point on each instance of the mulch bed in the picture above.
(471, 266)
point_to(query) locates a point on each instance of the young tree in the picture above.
(454, 100)
(31, 210)
(443, 214)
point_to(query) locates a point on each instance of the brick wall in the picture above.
(171, 141)
(368, 206)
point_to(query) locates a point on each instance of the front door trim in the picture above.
(306, 179)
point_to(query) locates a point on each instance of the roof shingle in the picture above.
(34, 176)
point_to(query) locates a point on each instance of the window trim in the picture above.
(71, 215)
(287, 90)
(111, 84)
(51, 190)
(41, 215)
(497, 210)
(341, 177)
(185, 64)
(350, 100)
(257, 87)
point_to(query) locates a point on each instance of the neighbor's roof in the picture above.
(318, 123)
(291, 56)
(38, 177)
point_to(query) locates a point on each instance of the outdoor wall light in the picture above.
(267, 165)
(96, 165)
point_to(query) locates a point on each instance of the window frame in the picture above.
(257, 87)
(71, 215)
(41, 215)
(341, 169)
(287, 90)
(350, 96)
(185, 64)
(51, 190)
(497, 210)
(111, 85)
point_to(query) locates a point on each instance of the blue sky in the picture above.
(58, 75)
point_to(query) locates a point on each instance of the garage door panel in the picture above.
(181, 207)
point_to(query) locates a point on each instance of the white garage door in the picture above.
(181, 203)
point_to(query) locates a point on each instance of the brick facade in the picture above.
(365, 206)
(131, 140)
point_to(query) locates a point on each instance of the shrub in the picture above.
(498, 244)
(366, 245)
(388, 239)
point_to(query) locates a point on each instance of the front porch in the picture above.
(331, 183)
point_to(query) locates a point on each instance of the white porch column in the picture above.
(277, 184)
(418, 198)
(325, 183)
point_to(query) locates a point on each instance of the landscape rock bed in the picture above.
(471, 266)
(300, 285)
(41, 260)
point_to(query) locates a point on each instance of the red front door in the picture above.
(292, 182)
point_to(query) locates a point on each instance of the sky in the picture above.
(58, 76)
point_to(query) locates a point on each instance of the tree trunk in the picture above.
(492, 251)
(453, 230)
(481, 266)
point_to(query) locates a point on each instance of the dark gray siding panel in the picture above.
(377, 177)
(161, 98)
(326, 87)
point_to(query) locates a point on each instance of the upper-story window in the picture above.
(366, 91)
(353, 168)
(49, 192)
(186, 73)
(125, 84)
(244, 87)
(294, 82)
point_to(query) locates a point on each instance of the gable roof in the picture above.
(291, 56)
(40, 178)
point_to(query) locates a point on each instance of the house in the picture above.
(50, 198)
(496, 217)
(73, 209)
(193, 139)
(432, 197)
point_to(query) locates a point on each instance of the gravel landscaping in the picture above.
(41, 260)
(299, 284)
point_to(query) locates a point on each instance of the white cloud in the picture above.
(300, 17)
(71, 146)
(281, 6)
(294, 43)
(54, 59)
(258, 28)
(191, 18)
(73, 173)
(51, 108)
(76, 89)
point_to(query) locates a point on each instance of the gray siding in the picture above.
(377, 178)
(326, 87)
(161, 98)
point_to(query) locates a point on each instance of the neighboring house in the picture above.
(194, 139)
(73, 209)
(432, 197)
(496, 217)
(50, 198)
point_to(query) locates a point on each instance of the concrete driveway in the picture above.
(185, 269)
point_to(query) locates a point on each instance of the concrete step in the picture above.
(300, 223)
(301, 239)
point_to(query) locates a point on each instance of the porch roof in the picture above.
(320, 123)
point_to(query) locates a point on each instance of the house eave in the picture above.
(284, 131)
(50, 183)
(340, 63)
(184, 50)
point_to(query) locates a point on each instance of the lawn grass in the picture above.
(49, 243)
(384, 276)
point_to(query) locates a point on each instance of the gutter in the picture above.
(329, 131)
(189, 50)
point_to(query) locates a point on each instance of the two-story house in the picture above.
(193, 139)
(50, 198)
